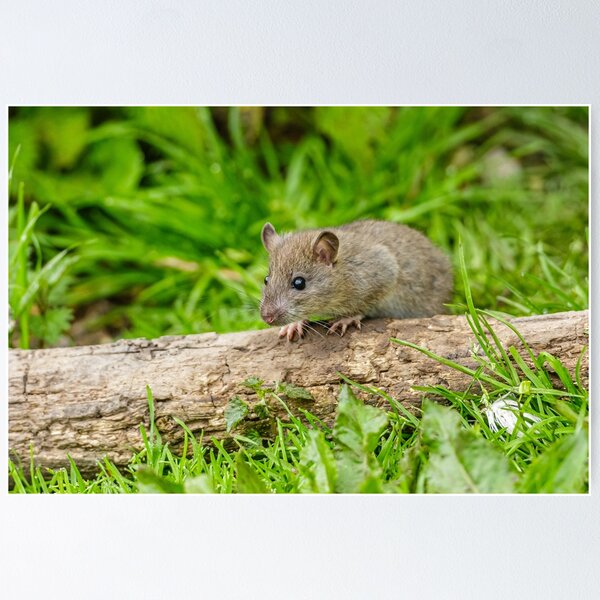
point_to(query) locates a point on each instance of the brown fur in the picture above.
(379, 269)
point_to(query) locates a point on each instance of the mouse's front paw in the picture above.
(291, 329)
(344, 323)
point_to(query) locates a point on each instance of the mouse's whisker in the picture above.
(248, 306)
(311, 328)
(330, 330)
(242, 292)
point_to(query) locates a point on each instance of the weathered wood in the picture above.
(89, 401)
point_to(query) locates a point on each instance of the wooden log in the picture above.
(89, 401)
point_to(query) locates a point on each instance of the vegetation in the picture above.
(128, 222)
(519, 434)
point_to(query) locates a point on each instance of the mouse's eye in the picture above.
(299, 283)
(267, 280)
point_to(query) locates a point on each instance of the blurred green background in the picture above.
(128, 222)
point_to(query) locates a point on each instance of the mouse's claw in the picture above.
(344, 323)
(291, 329)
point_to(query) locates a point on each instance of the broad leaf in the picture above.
(561, 469)
(317, 465)
(356, 433)
(202, 484)
(235, 411)
(459, 460)
(293, 391)
(148, 482)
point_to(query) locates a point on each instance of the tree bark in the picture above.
(89, 401)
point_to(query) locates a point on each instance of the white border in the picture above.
(167, 52)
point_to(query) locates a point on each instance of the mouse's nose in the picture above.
(271, 316)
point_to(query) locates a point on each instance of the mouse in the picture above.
(344, 274)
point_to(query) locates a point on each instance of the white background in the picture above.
(308, 52)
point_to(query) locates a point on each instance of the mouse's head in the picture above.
(301, 280)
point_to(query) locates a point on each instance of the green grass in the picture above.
(514, 429)
(160, 209)
(146, 221)
(368, 450)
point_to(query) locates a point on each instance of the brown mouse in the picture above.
(347, 273)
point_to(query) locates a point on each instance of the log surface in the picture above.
(89, 401)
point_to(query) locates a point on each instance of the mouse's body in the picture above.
(363, 269)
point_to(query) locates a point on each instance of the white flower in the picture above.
(504, 412)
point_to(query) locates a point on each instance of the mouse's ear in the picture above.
(269, 236)
(325, 248)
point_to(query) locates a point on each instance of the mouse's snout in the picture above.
(272, 316)
(273, 312)
(269, 317)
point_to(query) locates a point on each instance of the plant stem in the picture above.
(23, 319)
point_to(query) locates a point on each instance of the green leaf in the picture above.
(354, 129)
(52, 324)
(182, 124)
(23, 242)
(235, 411)
(408, 480)
(48, 276)
(293, 391)
(356, 434)
(119, 163)
(248, 480)
(252, 382)
(460, 461)
(202, 484)
(64, 131)
(148, 482)
(317, 465)
(561, 469)
(261, 409)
